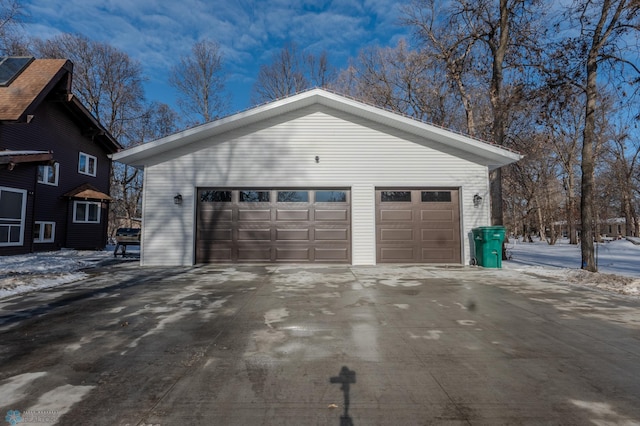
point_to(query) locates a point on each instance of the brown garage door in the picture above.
(417, 226)
(260, 225)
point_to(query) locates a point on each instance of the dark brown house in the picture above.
(54, 164)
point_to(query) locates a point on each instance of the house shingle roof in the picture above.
(16, 98)
(42, 77)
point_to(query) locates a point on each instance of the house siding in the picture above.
(280, 153)
(53, 129)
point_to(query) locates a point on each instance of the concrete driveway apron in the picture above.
(319, 345)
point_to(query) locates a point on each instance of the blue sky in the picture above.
(158, 32)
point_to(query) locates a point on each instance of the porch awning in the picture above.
(87, 192)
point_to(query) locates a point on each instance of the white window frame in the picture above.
(87, 159)
(45, 174)
(12, 223)
(86, 212)
(40, 238)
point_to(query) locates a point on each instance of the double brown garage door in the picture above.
(246, 225)
(418, 226)
(259, 225)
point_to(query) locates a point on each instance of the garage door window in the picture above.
(293, 196)
(436, 196)
(215, 196)
(331, 197)
(254, 196)
(395, 196)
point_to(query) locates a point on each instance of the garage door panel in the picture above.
(437, 235)
(418, 225)
(215, 253)
(254, 234)
(254, 215)
(332, 254)
(332, 234)
(285, 215)
(396, 234)
(254, 254)
(396, 215)
(436, 215)
(216, 234)
(396, 253)
(437, 255)
(292, 253)
(332, 215)
(292, 234)
(215, 215)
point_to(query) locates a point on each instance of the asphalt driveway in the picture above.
(313, 345)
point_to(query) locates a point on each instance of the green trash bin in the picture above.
(488, 242)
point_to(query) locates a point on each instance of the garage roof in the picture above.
(492, 155)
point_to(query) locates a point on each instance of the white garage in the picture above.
(316, 177)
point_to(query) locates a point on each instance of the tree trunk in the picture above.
(541, 228)
(499, 51)
(627, 208)
(587, 166)
(571, 209)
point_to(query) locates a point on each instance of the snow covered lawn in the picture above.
(618, 263)
(25, 273)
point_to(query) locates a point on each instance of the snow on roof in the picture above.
(12, 153)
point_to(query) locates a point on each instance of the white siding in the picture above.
(352, 153)
(363, 224)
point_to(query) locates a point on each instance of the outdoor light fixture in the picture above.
(477, 200)
(317, 159)
(177, 199)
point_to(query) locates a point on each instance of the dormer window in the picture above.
(87, 164)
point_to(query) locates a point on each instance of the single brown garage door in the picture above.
(262, 225)
(418, 226)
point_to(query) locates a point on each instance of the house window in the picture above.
(44, 232)
(13, 204)
(48, 174)
(86, 212)
(87, 164)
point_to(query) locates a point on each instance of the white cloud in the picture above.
(157, 33)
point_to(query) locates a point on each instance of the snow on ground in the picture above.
(618, 263)
(24, 273)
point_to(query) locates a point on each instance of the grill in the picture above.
(128, 235)
(124, 237)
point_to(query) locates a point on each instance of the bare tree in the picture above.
(403, 80)
(478, 41)
(12, 41)
(606, 27)
(560, 112)
(321, 72)
(282, 77)
(109, 83)
(291, 71)
(446, 39)
(105, 79)
(199, 79)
